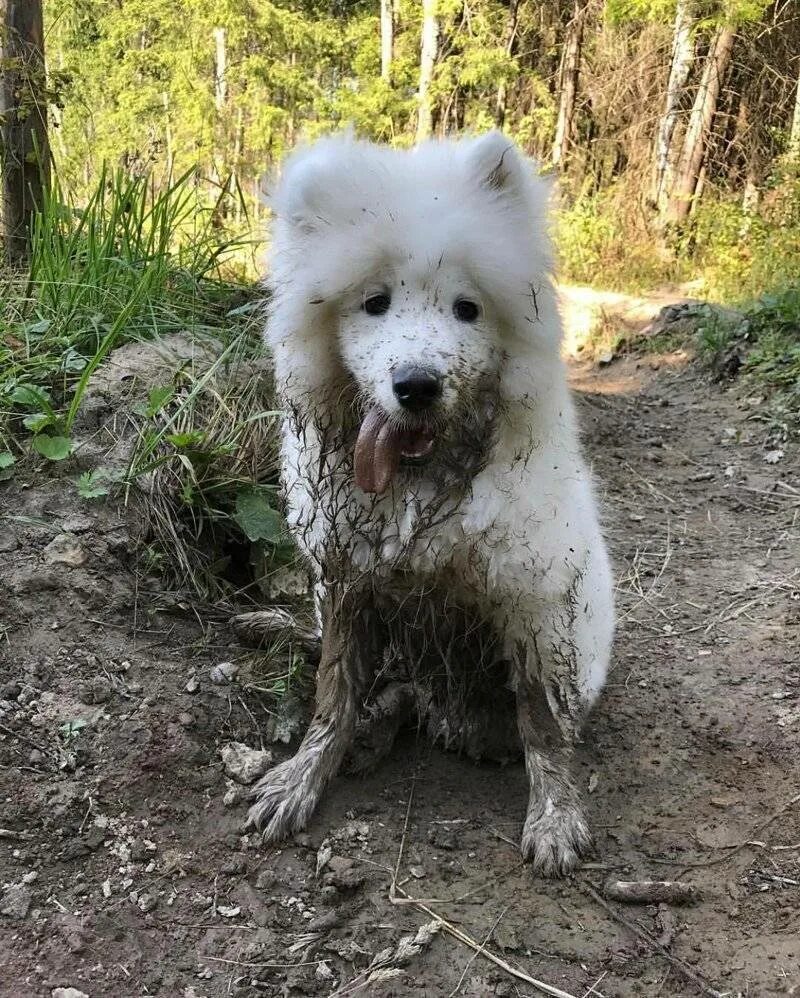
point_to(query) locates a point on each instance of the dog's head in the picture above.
(413, 275)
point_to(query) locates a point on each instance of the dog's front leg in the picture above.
(562, 663)
(288, 794)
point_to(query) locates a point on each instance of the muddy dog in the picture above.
(431, 467)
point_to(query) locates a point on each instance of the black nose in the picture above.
(416, 388)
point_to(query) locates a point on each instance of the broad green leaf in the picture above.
(258, 519)
(156, 401)
(30, 396)
(37, 421)
(6, 459)
(53, 448)
(39, 327)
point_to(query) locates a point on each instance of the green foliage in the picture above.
(132, 263)
(257, 517)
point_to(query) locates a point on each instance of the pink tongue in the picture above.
(377, 453)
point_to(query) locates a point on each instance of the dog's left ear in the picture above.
(496, 163)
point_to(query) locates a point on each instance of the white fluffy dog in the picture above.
(431, 467)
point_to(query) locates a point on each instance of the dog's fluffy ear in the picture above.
(497, 164)
(311, 177)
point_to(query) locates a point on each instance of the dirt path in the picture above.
(122, 873)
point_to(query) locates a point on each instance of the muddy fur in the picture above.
(474, 594)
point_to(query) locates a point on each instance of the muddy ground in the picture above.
(123, 872)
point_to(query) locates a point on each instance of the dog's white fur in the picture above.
(522, 542)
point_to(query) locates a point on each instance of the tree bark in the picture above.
(26, 153)
(427, 62)
(509, 45)
(794, 133)
(680, 67)
(220, 70)
(699, 128)
(387, 39)
(568, 76)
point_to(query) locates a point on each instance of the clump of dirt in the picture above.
(124, 870)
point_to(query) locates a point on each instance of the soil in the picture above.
(123, 867)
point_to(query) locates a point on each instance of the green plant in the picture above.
(134, 262)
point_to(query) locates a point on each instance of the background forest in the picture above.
(674, 125)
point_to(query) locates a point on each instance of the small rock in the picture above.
(343, 874)
(192, 686)
(16, 901)
(35, 757)
(418, 872)
(67, 993)
(186, 720)
(266, 880)
(233, 795)
(147, 902)
(65, 550)
(106, 888)
(323, 972)
(8, 542)
(223, 673)
(97, 690)
(445, 835)
(243, 764)
(77, 524)
(234, 865)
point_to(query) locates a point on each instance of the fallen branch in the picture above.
(650, 891)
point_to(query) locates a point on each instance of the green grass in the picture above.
(135, 264)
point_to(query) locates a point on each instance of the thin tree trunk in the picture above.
(387, 39)
(699, 128)
(569, 72)
(427, 62)
(509, 45)
(680, 67)
(168, 136)
(794, 133)
(220, 70)
(26, 154)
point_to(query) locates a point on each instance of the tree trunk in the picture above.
(26, 154)
(220, 70)
(794, 133)
(509, 45)
(387, 39)
(680, 67)
(568, 74)
(699, 128)
(427, 62)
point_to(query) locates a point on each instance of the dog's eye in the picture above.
(465, 310)
(377, 304)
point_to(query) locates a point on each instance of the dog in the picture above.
(431, 467)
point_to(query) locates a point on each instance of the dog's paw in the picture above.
(284, 801)
(554, 839)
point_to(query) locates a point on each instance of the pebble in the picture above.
(16, 901)
(8, 542)
(65, 550)
(67, 993)
(243, 764)
(192, 686)
(185, 719)
(225, 672)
